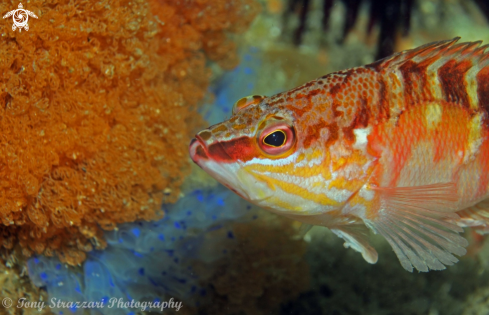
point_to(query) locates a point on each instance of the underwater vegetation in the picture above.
(393, 18)
(484, 7)
(211, 250)
(99, 101)
(150, 260)
(197, 253)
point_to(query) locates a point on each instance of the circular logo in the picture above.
(7, 302)
(20, 18)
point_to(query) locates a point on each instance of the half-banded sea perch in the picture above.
(399, 146)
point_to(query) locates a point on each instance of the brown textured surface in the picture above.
(266, 269)
(16, 289)
(97, 108)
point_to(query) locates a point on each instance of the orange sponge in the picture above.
(97, 106)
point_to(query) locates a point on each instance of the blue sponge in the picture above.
(146, 261)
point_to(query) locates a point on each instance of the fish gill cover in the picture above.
(98, 104)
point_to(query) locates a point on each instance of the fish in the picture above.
(399, 147)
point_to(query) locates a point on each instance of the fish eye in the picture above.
(275, 139)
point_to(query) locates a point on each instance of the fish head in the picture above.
(268, 156)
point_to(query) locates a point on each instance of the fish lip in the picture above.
(193, 146)
(202, 142)
(222, 175)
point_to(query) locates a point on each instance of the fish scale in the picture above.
(399, 146)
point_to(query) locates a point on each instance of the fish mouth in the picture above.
(225, 174)
(228, 174)
(197, 150)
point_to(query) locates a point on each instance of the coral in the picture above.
(196, 253)
(192, 243)
(208, 243)
(98, 106)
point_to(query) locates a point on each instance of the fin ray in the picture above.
(476, 217)
(426, 197)
(418, 223)
(443, 241)
(437, 51)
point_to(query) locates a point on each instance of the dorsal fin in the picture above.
(441, 71)
(445, 50)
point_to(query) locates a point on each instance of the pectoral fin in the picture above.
(349, 228)
(303, 230)
(476, 217)
(416, 223)
(356, 237)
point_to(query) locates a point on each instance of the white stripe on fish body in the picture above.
(279, 162)
(292, 159)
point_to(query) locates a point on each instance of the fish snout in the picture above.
(197, 149)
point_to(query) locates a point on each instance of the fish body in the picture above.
(399, 146)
